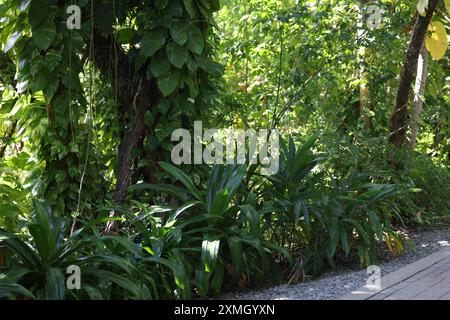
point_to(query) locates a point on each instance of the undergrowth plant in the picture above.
(38, 258)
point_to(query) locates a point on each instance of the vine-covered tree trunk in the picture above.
(135, 96)
(419, 90)
(399, 118)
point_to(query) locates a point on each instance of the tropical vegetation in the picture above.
(358, 91)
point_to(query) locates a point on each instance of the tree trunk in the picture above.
(135, 96)
(361, 106)
(419, 90)
(363, 53)
(144, 98)
(399, 118)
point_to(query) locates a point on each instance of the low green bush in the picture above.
(37, 260)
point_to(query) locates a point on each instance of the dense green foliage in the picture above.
(86, 118)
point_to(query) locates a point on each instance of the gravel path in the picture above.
(342, 281)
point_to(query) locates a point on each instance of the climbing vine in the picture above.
(154, 61)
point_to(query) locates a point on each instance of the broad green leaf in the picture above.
(235, 245)
(277, 248)
(149, 119)
(253, 219)
(359, 228)
(163, 106)
(376, 224)
(52, 60)
(257, 244)
(344, 242)
(160, 65)
(177, 54)
(25, 253)
(24, 5)
(216, 282)
(117, 261)
(176, 9)
(169, 82)
(179, 32)
(182, 177)
(196, 42)
(93, 292)
(180, 210)
(177, 264)
(334, 230)
(129, 245)
(44, 34)
(120, 280)
(38, 12)
(220, 202)
(151, 143)
(10, 289)
(192, 64)
(16, 273)
(54, 284)
(12, 40)
(152, 41)
(210, 252)
(124, 35)
(223, 183)
(191, 8)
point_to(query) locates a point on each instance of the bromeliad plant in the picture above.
(37, 267)
(214, 238)
(348, 216)
(286, 195)
(354, 218)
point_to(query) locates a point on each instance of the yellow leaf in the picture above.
(437, 42)
(447, 6)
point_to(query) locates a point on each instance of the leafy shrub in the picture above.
(318, 218)
(353, 218)
(36, 268)
(213, 240)
(432, 186)
(422, 184)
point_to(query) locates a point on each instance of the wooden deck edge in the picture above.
(398, 276)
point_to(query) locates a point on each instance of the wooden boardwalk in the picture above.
(425, 279)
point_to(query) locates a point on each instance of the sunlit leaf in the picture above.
(437, 42)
